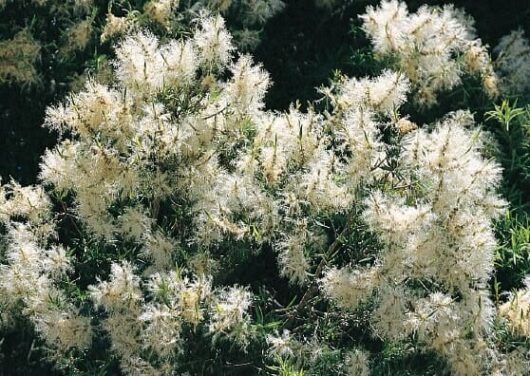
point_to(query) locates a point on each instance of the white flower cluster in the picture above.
(18, 57)
(357, 363)
(33, 266)
(248, 15)
(178, 167)
(517, 310)
(128, 152)
(157, 325)
(80, 27)
(171, 136)
(513, 63)
(77, 36)
(21, 53)
(433, 47)
(430, 278)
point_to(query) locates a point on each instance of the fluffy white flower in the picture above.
(349, 288)
(139, 64)
(513, 63)
(213, 42)
(427, 45)
(64, 330)
(229, 313)
(280, 345)
(122, 291)
(248, 86)
(357, 363)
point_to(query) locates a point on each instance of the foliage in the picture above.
(180, 226)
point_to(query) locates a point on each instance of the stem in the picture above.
(313, 288)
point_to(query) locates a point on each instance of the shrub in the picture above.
(178, 226)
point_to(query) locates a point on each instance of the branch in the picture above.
(215, 113)
(328, 255)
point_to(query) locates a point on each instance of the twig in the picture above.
(30, 350)
(215, 113)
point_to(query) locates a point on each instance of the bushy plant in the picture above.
(513, 62)
(433, 47)
(50, 47)
(179, 227)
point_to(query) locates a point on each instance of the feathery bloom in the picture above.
(427, 45)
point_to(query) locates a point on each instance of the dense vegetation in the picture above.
(253, 187)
